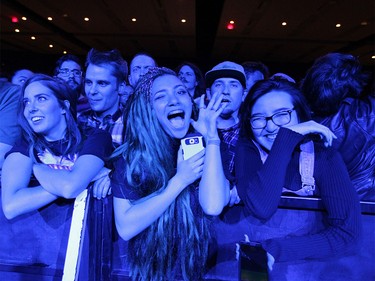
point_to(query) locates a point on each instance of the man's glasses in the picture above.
(280, 119)
(66, 72)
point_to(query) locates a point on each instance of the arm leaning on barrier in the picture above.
(17, 197)
(69, 183)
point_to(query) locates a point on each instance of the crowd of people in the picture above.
(118, 127)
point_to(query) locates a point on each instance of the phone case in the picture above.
(191, 146)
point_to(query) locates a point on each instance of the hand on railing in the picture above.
(102, 184)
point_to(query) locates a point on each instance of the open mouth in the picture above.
(36, 119)
(177, 118)
(225, 100)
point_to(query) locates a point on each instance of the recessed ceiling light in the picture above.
(24, 18)
(86, 19)
(49, 18)
(32, 37)
(50, 45)
(183, 20)
(17, 30)
(134, 19)
(230, 25)
(65, 52)
(364, 23)
(373, 57)
(284, 23)
(338, 25)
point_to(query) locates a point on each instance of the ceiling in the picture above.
(258, 34)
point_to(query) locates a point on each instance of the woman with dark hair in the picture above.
(54, 159)
(161, 201)
(288, 157)
(193, 79)
(335, 89)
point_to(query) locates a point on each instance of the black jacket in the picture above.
(354, 126)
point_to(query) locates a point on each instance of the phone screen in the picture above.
(252, 262)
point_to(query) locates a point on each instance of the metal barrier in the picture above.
(34, 246)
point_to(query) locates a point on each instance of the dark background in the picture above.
(258, 34)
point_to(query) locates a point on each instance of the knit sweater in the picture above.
(260, 186)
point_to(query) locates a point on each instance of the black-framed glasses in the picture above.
(66, 72)
(280, 118)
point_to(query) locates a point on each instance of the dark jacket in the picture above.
(354, 126)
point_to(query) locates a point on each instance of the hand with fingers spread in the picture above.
(312, 127)
(206, 123)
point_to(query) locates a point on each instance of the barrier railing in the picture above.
(34, 246)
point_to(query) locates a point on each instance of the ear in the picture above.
(245, 92)
(121, 87)
(130, 80)
(67, 106)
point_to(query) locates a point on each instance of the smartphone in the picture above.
(252, 262)
(191, 146)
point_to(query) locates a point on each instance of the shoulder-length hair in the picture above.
(200, 89)
(63, 93)
(263, 87)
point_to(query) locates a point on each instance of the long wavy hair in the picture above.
(63, 93)
(178, 240)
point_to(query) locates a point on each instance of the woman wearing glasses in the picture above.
(291, 154)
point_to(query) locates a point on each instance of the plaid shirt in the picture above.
(229, 137)
(111, 123)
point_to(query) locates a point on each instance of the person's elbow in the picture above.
(125, 232)
(71, 190)
(125, 235)
(212, 208)
(9, 211)
(263, 214)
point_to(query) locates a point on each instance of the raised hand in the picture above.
(206, 123)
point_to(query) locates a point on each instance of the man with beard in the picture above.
(139, 66)
(69, 68)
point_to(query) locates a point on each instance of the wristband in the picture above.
(213, 142)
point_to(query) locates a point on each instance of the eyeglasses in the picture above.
(66, 72)
(280, 118)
